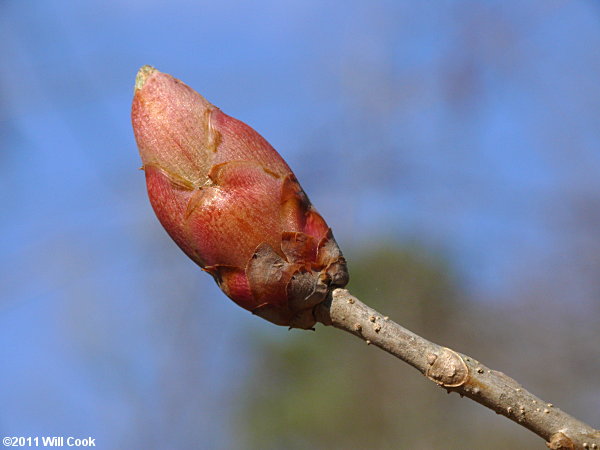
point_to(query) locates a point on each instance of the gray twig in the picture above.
(458, 373)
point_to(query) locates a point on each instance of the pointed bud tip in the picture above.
(142, 76)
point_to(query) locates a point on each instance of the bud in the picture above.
(232, 204)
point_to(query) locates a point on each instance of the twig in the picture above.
(458, 373)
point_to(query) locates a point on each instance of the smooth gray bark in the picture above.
(459, 373)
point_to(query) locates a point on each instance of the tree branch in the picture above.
(458, 373)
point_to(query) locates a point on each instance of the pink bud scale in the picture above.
(232, 204)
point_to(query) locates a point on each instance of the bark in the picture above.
(458, 373)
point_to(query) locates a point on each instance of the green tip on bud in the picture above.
(142, 76)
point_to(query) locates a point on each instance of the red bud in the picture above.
(232, 204)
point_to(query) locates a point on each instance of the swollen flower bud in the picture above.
(232, 204)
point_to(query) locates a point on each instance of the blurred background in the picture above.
(452, 146)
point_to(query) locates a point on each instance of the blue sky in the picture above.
(465, 125)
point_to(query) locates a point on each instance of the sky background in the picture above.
(470, 127)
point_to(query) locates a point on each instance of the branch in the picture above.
(458, 373)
